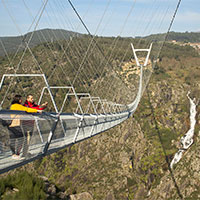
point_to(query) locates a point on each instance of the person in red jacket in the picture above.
(31, 104)
(28, 125)
(15, 127)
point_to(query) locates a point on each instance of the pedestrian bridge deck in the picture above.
(66, 130)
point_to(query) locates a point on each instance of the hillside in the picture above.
(11, 44)
(52, 61)
(130, 160)
(185, 37)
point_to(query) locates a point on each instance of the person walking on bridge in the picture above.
(15, 129)
(28, 125)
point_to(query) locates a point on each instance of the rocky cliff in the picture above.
(131, 161)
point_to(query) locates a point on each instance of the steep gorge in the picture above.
(130, 160)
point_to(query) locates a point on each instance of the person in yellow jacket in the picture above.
(16, 133)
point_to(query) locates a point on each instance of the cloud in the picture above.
(187, 21)
(188, 17)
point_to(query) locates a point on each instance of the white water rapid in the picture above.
(187, 139)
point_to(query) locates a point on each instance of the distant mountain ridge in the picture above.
(11, 44)
(193, 37)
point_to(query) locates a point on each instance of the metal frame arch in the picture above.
(30, 75)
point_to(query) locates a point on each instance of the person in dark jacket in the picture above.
(28, 125)
(16, 133)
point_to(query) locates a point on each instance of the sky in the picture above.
(127, 18)
(188, 16)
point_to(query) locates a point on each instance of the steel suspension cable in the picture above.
(153, 15)
(151, 19)
(126, 20)
(92, 68)
(114, 46)
(53, 54)
(64, 52)
(87, 29)
(154, 118)
(110, 85)
(93, 40)
(61, 58)
(44, 5)
(88, 33)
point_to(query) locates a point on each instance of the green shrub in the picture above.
(29, 186)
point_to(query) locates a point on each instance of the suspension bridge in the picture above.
(80, 77)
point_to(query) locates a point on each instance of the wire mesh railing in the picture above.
(31, 138)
